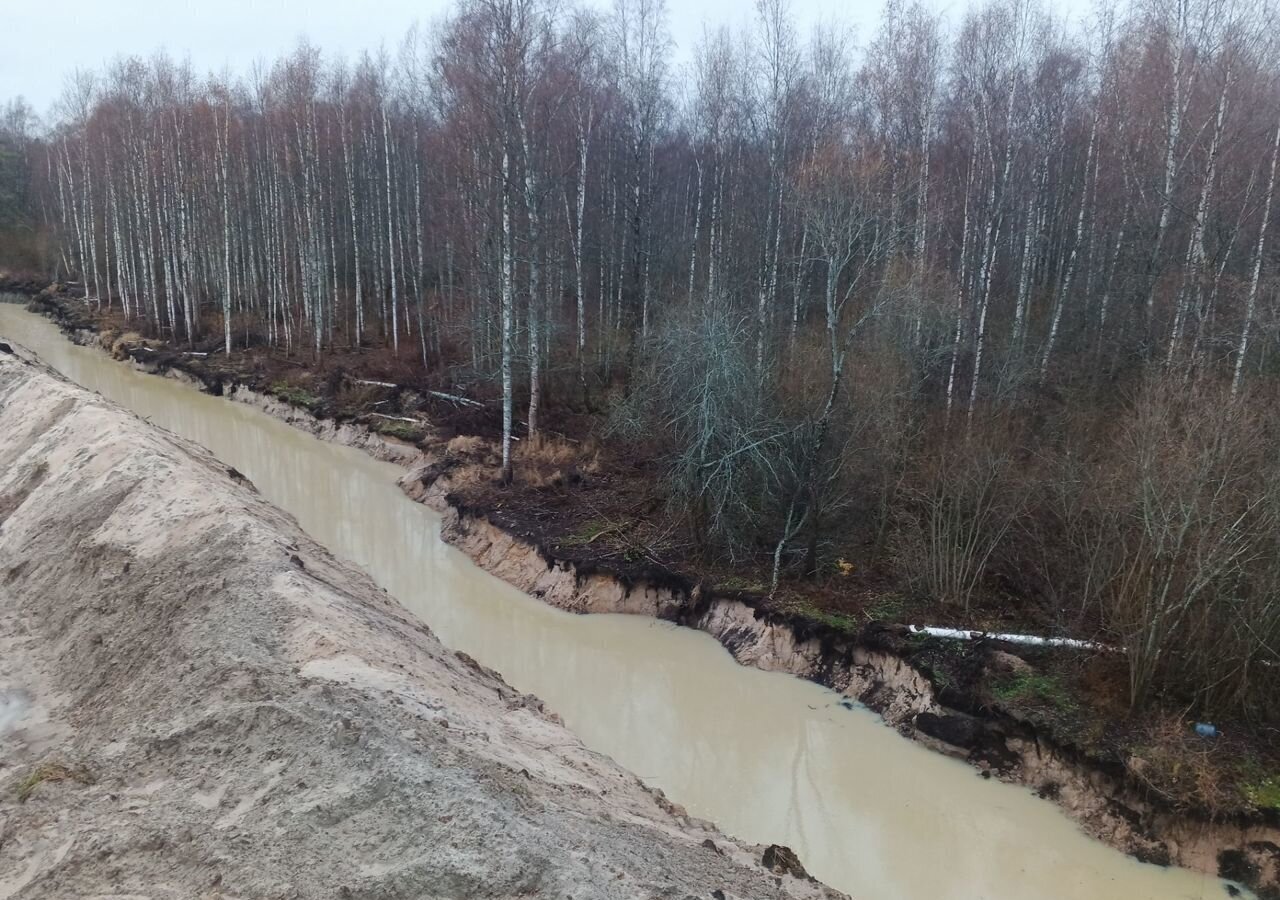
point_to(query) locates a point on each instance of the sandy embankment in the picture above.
(196, 700)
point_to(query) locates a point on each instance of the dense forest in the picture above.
(996, 299)
(21, 239)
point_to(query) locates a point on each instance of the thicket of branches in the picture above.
(21, 243)
(996, 300)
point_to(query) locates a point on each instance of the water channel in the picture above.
(767, 757)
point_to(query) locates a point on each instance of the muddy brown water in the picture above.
(768, 757)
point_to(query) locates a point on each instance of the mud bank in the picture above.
(1105, 803)
(875, 667)
(196, 699)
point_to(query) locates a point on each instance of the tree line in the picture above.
(20, 237)
(994, 299)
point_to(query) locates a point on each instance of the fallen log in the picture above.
(454, 398)
(963, 634)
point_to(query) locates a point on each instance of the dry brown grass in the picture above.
(51, 771)
(472, 475)
(1185, 769)
(589, 459)
(353, 399)
(121, 344)
(545, 450)
(466, 445)
(547, 460)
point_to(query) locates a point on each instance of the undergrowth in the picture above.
(402, 430)
(836, 621)
(294, 395)
(1034, 688)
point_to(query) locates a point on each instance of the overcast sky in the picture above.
(45, 40)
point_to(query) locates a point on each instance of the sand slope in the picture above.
(196, 700)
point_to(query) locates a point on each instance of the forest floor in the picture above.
(600, 504)
(196, 699)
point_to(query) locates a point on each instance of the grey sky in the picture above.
(45, 40)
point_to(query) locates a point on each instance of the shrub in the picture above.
(958, 512)
(1195, 595)
(702, 394)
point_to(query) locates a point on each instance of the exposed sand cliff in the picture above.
(1103, 802)
(1100, 796)
(196, 700)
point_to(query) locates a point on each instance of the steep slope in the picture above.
(196, 700)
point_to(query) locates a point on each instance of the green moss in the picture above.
(402, 430)
(1264, 793)
(294, 395)
(887, 608)
(1034, 689)
(835, 621)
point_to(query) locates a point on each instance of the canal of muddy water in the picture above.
(767, 757)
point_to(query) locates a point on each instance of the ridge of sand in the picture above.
(197, 700)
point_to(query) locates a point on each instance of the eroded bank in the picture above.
(759, 753)
(200, 700)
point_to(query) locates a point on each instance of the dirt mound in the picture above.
(196, 700)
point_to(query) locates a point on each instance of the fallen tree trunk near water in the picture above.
(1029, 640)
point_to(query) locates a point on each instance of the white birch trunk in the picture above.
(1242, 349)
